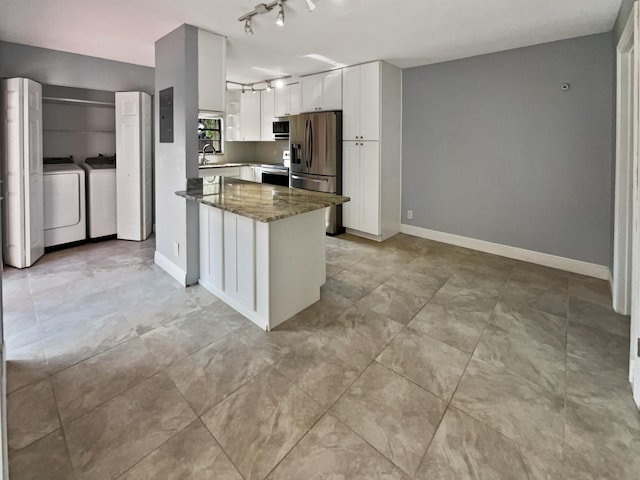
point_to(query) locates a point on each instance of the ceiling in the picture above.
(339, 32)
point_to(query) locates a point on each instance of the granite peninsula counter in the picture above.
(258, 201)
(262, 247)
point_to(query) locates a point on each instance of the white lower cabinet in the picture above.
(248, 173)
(361, 183)
(239, 259)
(211, 258)
(228, 264)
(253, 267)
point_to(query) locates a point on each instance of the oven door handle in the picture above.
(296, 177)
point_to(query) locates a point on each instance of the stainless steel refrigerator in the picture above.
(315, 141)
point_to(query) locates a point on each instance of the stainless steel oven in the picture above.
(275, 175)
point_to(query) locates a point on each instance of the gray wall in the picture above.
(493, 149)
(72, 70)
(177, 219)
(621, 21)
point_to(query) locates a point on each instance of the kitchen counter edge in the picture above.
(308, 201)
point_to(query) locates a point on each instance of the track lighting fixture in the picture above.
(265, 8)
(251, 87)
(280, 18)
(247, 27)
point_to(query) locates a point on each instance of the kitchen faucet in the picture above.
(204, 148)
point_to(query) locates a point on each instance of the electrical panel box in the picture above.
(166, 115)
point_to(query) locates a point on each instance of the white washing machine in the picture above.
(101, 196)
(64, 202)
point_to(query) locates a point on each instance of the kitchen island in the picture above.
(262, 247)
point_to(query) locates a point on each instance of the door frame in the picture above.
(627, 194)
(625, 151)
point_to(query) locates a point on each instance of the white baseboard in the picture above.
(561, 263)
(171, 268)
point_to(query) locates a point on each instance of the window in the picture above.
(210, 135)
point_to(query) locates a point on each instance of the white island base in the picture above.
(268, 272)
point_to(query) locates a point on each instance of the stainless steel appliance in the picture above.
(316, 158)
(281, 129)
(275, 175)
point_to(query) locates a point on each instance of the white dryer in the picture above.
(64, 202)
(101, 196)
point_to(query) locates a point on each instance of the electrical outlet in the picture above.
(409, 214)
(176, 249)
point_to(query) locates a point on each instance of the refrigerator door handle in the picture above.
(296, 177)
(306, 143)
(310, 144)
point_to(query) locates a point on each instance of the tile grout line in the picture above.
(63, 431)
(464, 371)
(328, 409)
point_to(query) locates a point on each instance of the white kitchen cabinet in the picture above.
(267, 113)
(212, 52)
(287, 100)
(361, 183)
(371, 156)
(249, 117)
(248, 173)
(211, 258)
(239, 259)
(228, 262)
(243, 112)
(232, 116)
(361, 102)
(255, 268)
(322, 91)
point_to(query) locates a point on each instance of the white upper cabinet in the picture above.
(212, 50)
(232, 116)
(287, 100)
(322, 91)
(361, 103)
(249, 117)
(267, 112)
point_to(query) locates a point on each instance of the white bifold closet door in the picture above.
(133, 165)
(22, 172)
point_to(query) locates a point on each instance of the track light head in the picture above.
(247, 27)
(280, 18)
(268, 86)
(279, 83)
(310, 5)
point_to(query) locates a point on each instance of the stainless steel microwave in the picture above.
(281, 130)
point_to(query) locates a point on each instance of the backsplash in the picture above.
(253, 152)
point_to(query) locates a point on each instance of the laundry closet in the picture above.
(76, 165)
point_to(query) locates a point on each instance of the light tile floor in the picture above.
(421, 361)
